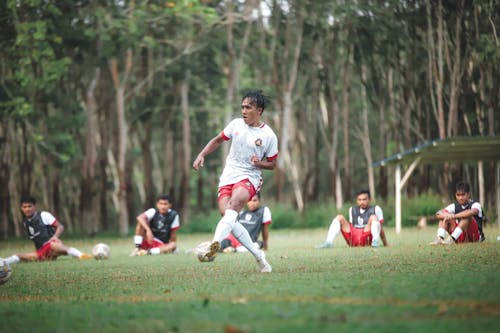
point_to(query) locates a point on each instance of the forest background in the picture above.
(105, 104)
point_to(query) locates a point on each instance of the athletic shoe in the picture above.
(210, 252)
(437, 241)
(85, 256)
(142, 252)
(375, 243)
(449, 241)
(263, 264)
(229, 249)
(324, 245)
(134, 252)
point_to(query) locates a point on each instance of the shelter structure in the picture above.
(473, 149)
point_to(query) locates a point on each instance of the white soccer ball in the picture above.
(5, 272)
(101, 251)
(201, 250)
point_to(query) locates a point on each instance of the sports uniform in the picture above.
(358, 219)
(472, 234)
(247, 141)
(253, 221)
(161, 226)
(40, 228)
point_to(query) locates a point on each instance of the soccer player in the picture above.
(254, 147)
(256, 220)
(156, 229)
(364, 225)
(44, 230)
(462, 220)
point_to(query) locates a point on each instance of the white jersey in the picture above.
(247, 141)
(451, 208)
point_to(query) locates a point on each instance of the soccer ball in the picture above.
(201, 250)
(5, 272)
(101, 251)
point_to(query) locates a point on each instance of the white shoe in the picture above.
(135, 252)
(264, 265)
(324, 245)
(437, 241)
(209, 253)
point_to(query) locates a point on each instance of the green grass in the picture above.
(407, 287)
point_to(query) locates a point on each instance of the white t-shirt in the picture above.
(451, 208)
(246, 142)
(150, 213)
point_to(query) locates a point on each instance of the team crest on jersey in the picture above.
(258, 142)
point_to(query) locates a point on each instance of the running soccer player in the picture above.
(254, 147)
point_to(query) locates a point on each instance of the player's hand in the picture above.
(198, 162)
(254, 160)
(448, 217)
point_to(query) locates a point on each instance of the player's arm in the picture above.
(264, 164)
(265, 235)
(173, 236)
(59, 228)
(210, 147)
(466, 213)
(143, 220)
(445, 214)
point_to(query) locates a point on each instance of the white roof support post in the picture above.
(498, 193)
(400, 183)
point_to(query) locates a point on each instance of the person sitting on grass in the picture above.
(363, 228)
(256, 220)
(156, 229)
(461, 220)
(44, 230)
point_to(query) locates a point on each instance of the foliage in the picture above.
(342, 289)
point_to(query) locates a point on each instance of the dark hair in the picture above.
(462, 187)
(364, 192)
(258, 194)
(28, 199)
(163, 197)
(257, 98)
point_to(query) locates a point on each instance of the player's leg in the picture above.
(441, 232)
(58, 249)
(140, 234)
(338, 222)
(375, 228)
(383, 237)
(15, 258)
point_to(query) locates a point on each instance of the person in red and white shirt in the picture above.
(254, 147)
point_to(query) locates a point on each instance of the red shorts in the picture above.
(234, 242)
(45, 252)
(470, 235)
(357, 237)
(227, 190)
(155, 243)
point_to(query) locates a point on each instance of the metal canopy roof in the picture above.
(457, 149)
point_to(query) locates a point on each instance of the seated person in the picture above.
(255, 219)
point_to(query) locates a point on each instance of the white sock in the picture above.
(241, 234)
(74, 252)
(14, 259)
(137, 240)
(155, 250)
(333, 231)
(225, 225)
(375, 230)
(457, 233)
(441, 233)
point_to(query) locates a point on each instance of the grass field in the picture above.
(407, 287)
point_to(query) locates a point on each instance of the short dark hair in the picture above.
(364, 191)
(28, 199)
(163, 197)
(462, 187)
(257, 98)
